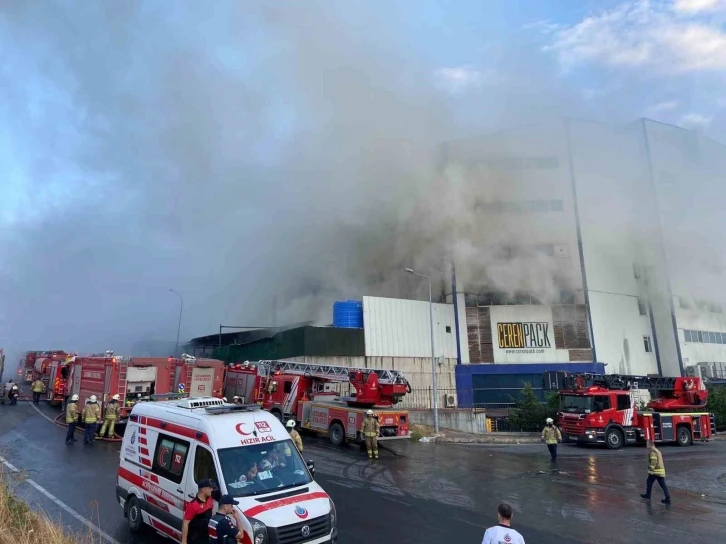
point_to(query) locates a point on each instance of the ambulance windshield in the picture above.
(262, 468)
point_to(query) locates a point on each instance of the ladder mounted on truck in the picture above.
(561, 380)
(330, 372)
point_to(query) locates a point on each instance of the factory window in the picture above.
(687, 335)
(641, 307)
(700, 336)
(712, 337)
(547, 249)
(647, 345)
(448, 329)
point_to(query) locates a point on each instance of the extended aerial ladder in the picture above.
(373, 387)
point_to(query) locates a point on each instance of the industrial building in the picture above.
(602, 255)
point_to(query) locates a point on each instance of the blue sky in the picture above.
(148, 145)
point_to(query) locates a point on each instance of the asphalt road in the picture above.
(416, 493)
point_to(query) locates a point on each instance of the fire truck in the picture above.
(601, 409)
(137, 379)
(313, 395)
(33, 361)
(53, 371)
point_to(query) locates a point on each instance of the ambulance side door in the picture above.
(202, 466)
(171, 464)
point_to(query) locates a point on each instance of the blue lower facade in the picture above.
(479, 385)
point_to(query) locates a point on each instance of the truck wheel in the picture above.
(614, 439)
(336, 434)
(133, 515)
(684, 436)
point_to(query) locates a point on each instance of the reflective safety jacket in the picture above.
(370, 426)
(655, 463)
(91, 412)
(72, 412)
(113, 410)
(551, 435)
(295, 436)
(38, 386)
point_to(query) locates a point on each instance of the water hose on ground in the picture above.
(60, 421)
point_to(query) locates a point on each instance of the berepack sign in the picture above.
(524, 334)
(532, 335)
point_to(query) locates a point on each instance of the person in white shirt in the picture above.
(503, 533)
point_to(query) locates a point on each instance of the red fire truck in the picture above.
(142, 378)
(601, 409)
(313, 396)
(33, 361)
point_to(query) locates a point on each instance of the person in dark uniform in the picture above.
(198, 513)
(224, 526)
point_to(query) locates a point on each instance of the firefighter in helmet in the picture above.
(38, 388)
(370, 430)
(91, 414)
(294, 435)
(71, 418)
(110, 415)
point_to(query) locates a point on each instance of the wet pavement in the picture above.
(417, 493)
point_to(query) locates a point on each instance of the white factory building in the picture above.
(617, 228)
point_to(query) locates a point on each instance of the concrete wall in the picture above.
(466, 421)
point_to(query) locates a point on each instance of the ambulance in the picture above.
(169, 446)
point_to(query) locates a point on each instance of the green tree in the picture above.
(529, 413)
(717, 405)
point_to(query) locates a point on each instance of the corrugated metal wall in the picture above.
(401, 328)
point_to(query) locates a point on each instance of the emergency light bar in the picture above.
(216, 410)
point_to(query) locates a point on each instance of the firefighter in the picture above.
(370, 430)
(294, 435)
(656, 473)
(90, 417)
(111, 413)
(72, 419)
(38, 388)
(550, 436)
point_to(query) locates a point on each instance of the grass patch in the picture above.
(19, 524)
(419, 431)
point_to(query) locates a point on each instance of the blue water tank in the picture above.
(348, 314)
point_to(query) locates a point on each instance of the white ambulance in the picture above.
(170, 446)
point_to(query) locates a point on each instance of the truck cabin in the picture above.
(594, 401)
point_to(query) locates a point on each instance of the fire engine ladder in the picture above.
(621, 381)
(123, 369)
(331, 372)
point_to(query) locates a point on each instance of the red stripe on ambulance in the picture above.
(252, 512)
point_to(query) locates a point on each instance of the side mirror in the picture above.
(311, 468)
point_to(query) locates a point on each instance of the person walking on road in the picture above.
(551, 435)
(72, 419)
(90, 417)
(656, 473)
(111, 413)
(224, 526)
(294, 435)
(38, 388)
(503, 532)
(370, 430)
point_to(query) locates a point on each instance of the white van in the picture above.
(170, 446)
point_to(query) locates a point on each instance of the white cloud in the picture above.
(695, 121)
(655, 34)
(458, 79)
(661, 107)
(698, 6)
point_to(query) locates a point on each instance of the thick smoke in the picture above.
(285, 152)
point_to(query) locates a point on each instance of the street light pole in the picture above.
(433, 357)
(178, 329)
